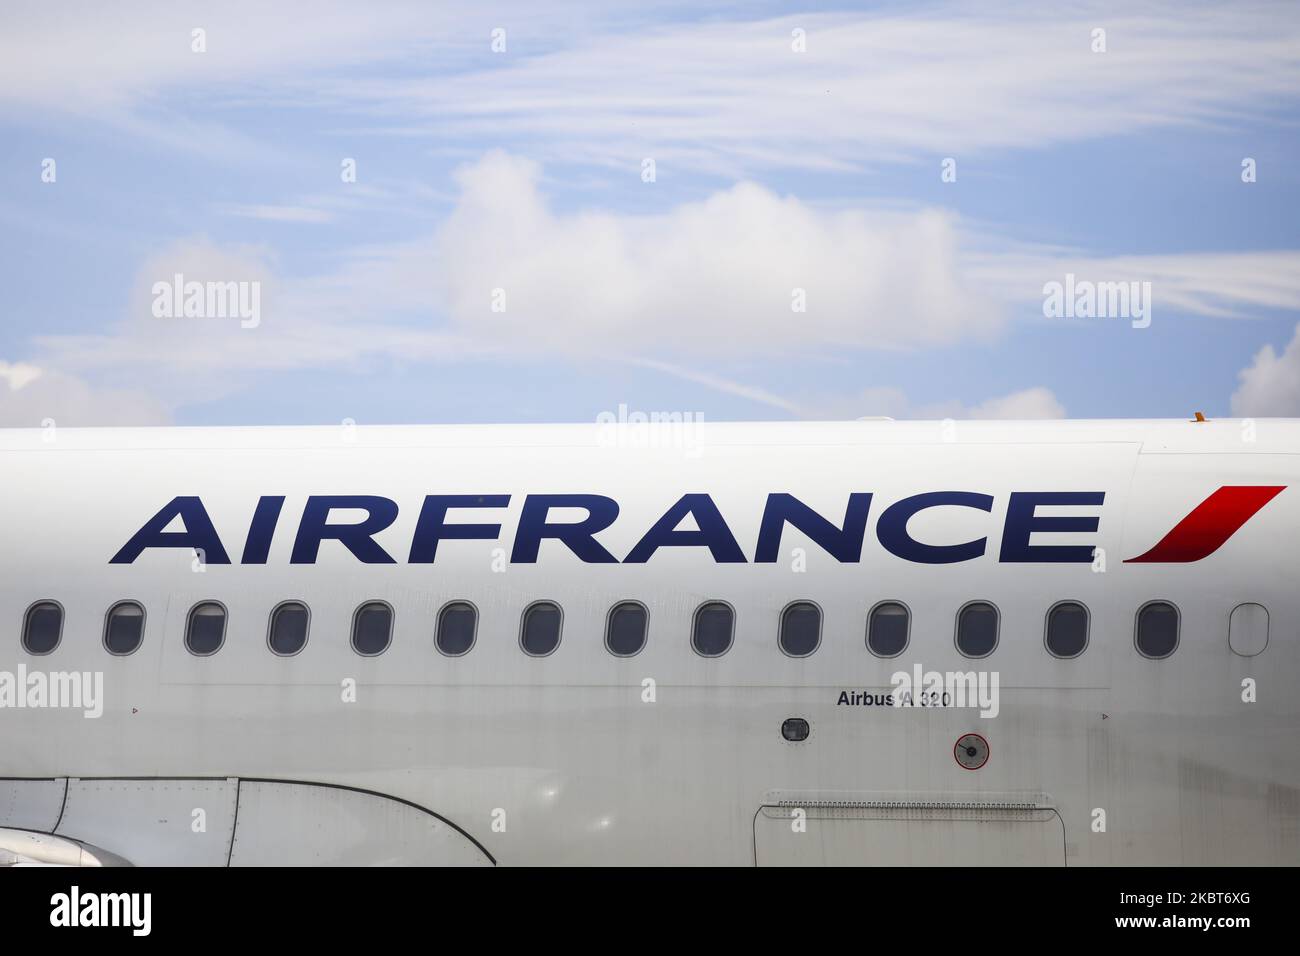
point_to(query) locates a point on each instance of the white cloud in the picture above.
(715, 277)
(1036, 402)
(18, 375)
(1030, 403)
(46, 395)
(1270, 386)
(719, 275)
(703, 279)
(699, 281)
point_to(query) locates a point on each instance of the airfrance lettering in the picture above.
(1073, 520)
(841, 537)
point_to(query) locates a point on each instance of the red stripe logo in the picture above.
(1211, 523)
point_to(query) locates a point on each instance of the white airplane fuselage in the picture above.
(667, 756)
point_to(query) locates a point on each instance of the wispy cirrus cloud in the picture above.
(1224, 285)
(278, 213)
(729, 94)
(117, 59)
(730, 386)
(943, 80)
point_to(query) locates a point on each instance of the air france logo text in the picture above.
(695, 521)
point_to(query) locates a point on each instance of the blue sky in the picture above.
(795, 147)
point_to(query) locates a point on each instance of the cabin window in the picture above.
(1248, 629)
(288, 631)
(713, 629)
(1067, 629)
(977, 629)
(1157, 630)
(625, 629)
(42, 627)
(801, 628)
(124, 628)
(540, 632)
(457, 623)
(372, 629)
(888, 627)
(795, 729)
(205, 630)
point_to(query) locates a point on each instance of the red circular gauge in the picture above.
(971, 751)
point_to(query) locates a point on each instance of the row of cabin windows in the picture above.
(713, 628)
